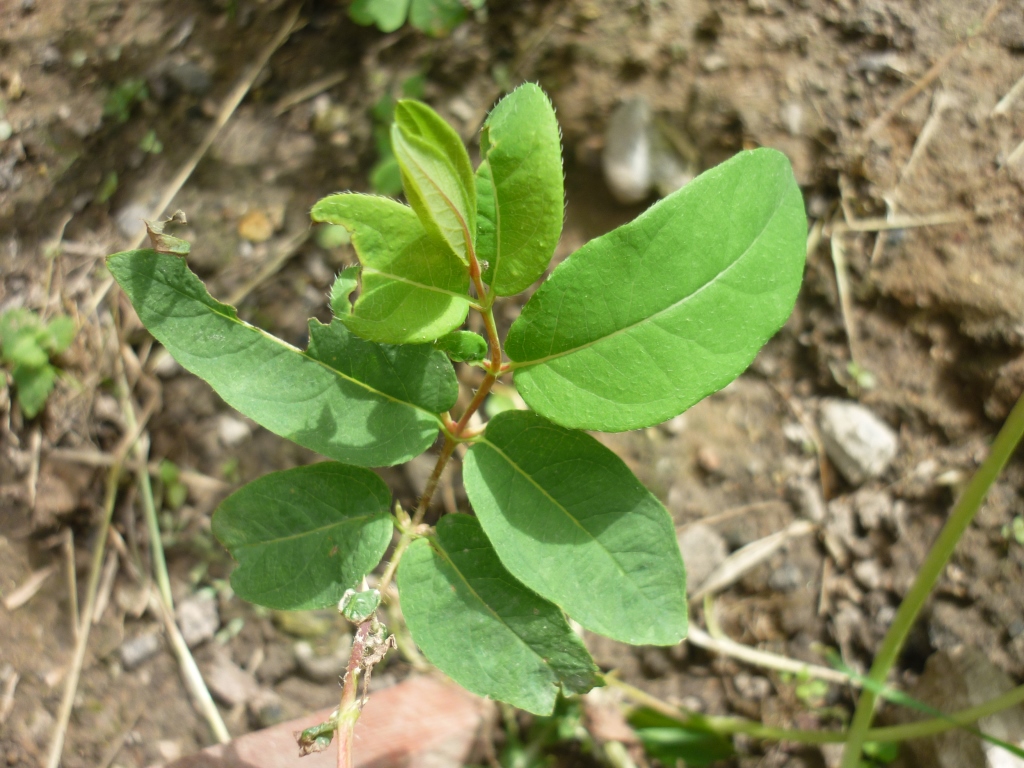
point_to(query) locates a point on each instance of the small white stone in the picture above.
(860, 444)
(627, 152)
(130, 220)
(233, 431)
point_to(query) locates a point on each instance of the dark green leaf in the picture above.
(388, 15)
(34, 385)
(484, 629)
(519, 190)
(570, 521)
(414, 289)
(463, 346)
(687, 293)
(352, 400)
(437, 175)
(303, 536)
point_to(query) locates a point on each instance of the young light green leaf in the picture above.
(34, 385)
(463, 346)
(690, 291)
(484, 629)
(303, 536)
(519, 190)
(437, 175)
(570, 521)
(414, 289)
(59, 334)
(388, 15)
(351, 400)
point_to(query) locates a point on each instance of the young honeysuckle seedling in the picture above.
(629, 331)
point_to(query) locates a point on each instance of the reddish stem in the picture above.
(349, 710)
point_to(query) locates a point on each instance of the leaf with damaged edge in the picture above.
(570, 521)
(484, 629)
(349, 399)
(413, 289)
(303, 536)
(688, 293)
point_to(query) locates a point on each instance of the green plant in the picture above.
(434, 17)
(26, 346)
(629, 331)
(123, 96)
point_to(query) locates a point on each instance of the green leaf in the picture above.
(519, 190)
(436, 17)
(34, 385)
(687, 293)
(570, 521)
(352, 400)
(303, 536)
(463, 346)
(484, 629)
(670, 741)
(437, 175)
(414, 289)
(25, 348)
(60, 332)
(388, 15)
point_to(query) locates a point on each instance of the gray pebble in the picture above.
(786, 579)
(198, 618)
(138, 649)
(859, 443)
(190, 78)
(703, 550)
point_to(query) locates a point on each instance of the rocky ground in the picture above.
(836, 458)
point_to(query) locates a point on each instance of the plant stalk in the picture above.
(349, 709)
(963, 513)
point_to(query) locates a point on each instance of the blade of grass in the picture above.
(908, 701)
(963, 513)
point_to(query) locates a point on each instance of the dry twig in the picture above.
(736, 565)
(7, 700)
(74, 674)
(315, 88)
(729, 647)
(29, 588)
(1011, 96)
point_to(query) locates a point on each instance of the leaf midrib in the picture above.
(399, 279)
(513, 365)
(437, 547)
(310, 532)
(567, 513)
(282, 343)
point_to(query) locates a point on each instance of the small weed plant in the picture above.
(629, 331)
(26, 345)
